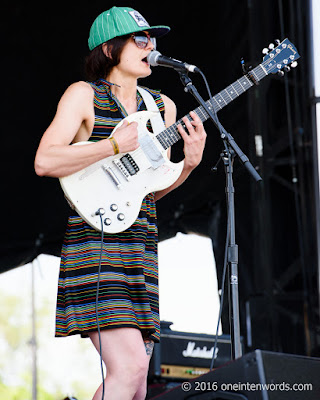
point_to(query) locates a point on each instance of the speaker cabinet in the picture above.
(257, 375)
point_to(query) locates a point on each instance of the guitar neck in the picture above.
(170, 136)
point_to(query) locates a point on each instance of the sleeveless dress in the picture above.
(128, 295)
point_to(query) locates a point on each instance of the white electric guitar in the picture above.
(116, 185)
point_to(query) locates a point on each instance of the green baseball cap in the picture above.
(119, 21)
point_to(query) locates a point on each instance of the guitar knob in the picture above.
(100, 211)
(120, 217)
(113, 207)
(107, 221)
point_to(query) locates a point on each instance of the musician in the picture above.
(120, 40)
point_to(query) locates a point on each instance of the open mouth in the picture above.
(145, 60)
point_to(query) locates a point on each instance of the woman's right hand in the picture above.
(127, 136)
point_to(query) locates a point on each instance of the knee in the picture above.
(132, 373)
(137, 373)
(139, 381)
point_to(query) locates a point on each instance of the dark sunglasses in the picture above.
(141, 40)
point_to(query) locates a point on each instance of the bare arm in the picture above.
(74, 122)
(194, 142)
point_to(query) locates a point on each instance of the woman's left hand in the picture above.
(194, 142)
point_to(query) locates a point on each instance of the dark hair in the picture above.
(98, 65)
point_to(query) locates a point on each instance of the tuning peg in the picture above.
(294, 64)
(277, 42)
(271, 46)
(280, 73)
(287, 68)
(265, 51)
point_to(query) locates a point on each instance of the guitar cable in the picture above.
(100, 212)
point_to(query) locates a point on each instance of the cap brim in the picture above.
(155, 31)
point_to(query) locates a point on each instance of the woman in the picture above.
(120, 40)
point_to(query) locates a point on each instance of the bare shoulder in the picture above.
(81, 86)
(78, 90)
(77, 100)
(170, 110)
(75, 113)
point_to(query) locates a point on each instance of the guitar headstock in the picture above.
(283, 56)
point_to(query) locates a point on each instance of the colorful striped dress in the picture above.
(128, 295)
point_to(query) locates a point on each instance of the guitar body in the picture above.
(118, 184)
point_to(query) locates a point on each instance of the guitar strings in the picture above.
(170, 135)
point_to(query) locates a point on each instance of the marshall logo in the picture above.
(197, 352)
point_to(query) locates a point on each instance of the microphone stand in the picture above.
(231, 150)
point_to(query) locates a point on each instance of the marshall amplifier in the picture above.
(182, 355)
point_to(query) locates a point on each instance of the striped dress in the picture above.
(128, 295)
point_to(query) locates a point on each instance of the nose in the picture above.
(151, 43)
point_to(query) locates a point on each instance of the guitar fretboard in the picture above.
(170, 136)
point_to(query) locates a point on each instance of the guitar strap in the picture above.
(156, 121)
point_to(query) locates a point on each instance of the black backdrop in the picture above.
(43, 52)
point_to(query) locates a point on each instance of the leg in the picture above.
(127, 362)
(142, 392)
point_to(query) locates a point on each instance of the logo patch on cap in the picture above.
(140, 21)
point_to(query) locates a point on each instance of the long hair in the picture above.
(98, 65)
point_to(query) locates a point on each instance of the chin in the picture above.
(145, 74)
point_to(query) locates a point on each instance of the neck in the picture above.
(124, 88)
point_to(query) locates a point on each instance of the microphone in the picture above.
(155, 58)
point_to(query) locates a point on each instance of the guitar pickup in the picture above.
(127, 166)
(129, 163)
